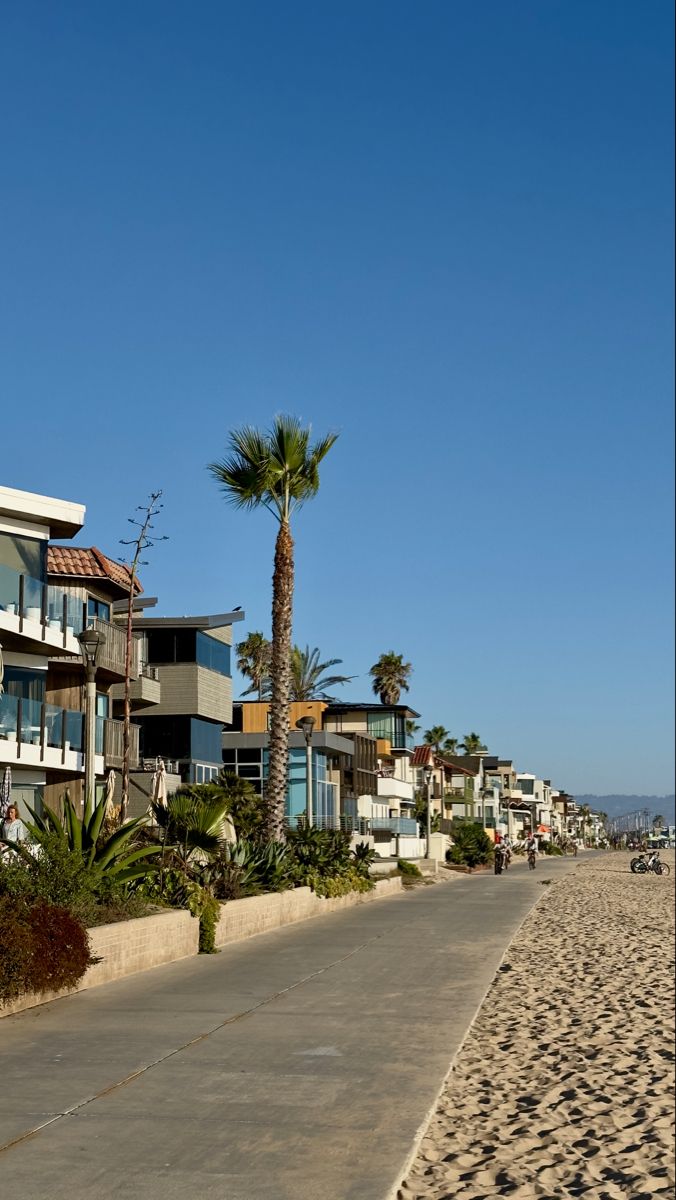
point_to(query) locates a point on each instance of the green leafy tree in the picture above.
(450, 746)
(254, 656)
(390, 675)
(277, 470)
(472, 744)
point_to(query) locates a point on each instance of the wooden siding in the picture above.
(255, 714)
(191, 690)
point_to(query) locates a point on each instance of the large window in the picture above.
(187, 646)
(212, 654)
(28, 556)
(206, 740)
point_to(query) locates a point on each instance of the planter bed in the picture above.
(131, 946)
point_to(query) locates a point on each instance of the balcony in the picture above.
(112, 655)
(143, 691)
(394, 825)
(36, 734)
(391, 788)
(37, 617)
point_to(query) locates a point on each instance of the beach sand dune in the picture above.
(564, 1086)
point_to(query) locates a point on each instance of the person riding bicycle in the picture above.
(531, 846)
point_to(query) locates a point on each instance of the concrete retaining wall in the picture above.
(259, 914)
(126, 948)
(131, 946)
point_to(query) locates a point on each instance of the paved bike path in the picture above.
(299, 1065)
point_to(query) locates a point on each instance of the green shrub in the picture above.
(472, 845)
(59, 875)
(408, 868)
(364, 857)
(349, 880)
(43, 948)
(550, 848)
(326, 851)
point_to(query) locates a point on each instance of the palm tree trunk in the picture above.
(282, 611)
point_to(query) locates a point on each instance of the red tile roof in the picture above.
(421, 756)
(89, 563)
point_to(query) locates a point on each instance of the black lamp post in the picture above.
(306, 725)
(429, 771)
(91, 643)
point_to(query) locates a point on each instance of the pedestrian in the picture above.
(13, 828)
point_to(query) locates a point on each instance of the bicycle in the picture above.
(531, 860)
(653, 864)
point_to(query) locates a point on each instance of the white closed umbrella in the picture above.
(159, 794)
(5, 792)
(110, 796)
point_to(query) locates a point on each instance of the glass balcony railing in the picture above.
(404, 825)
(41, 603)
(29, 721)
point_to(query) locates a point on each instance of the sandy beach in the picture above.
(564, 1085)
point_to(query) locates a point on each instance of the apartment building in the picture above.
(182, 697)
(47, 596)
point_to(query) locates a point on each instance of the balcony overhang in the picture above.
(62, 518)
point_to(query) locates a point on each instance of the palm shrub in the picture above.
(472, 845)
(191, 825)
(245, 806)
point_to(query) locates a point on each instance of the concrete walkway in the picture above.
(300, 1065)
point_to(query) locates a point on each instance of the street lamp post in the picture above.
(428, 821)
(91, 642)
(306, 725)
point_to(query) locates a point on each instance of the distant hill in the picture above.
(617, 806)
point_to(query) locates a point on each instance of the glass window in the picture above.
(212, 654)
(249, 756)
(28, 556)
(102, 705)
(98, 608)
(230, 757)
(205, 740)
(29, 685)
(184, 646)
(249, 772)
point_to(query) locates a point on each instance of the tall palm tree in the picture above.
(473, 744)
(277, 470)
(308, 681)
(390, 676)
(450, 746)
(411, 727)
(254, 656)
(436, 737)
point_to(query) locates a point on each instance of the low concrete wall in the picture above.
(259, 914)
(126, 948)
(131, 946)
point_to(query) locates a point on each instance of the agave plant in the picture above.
(115, 855)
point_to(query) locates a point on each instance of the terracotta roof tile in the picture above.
(88, 563)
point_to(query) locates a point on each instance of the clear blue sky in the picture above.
(442, 229)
